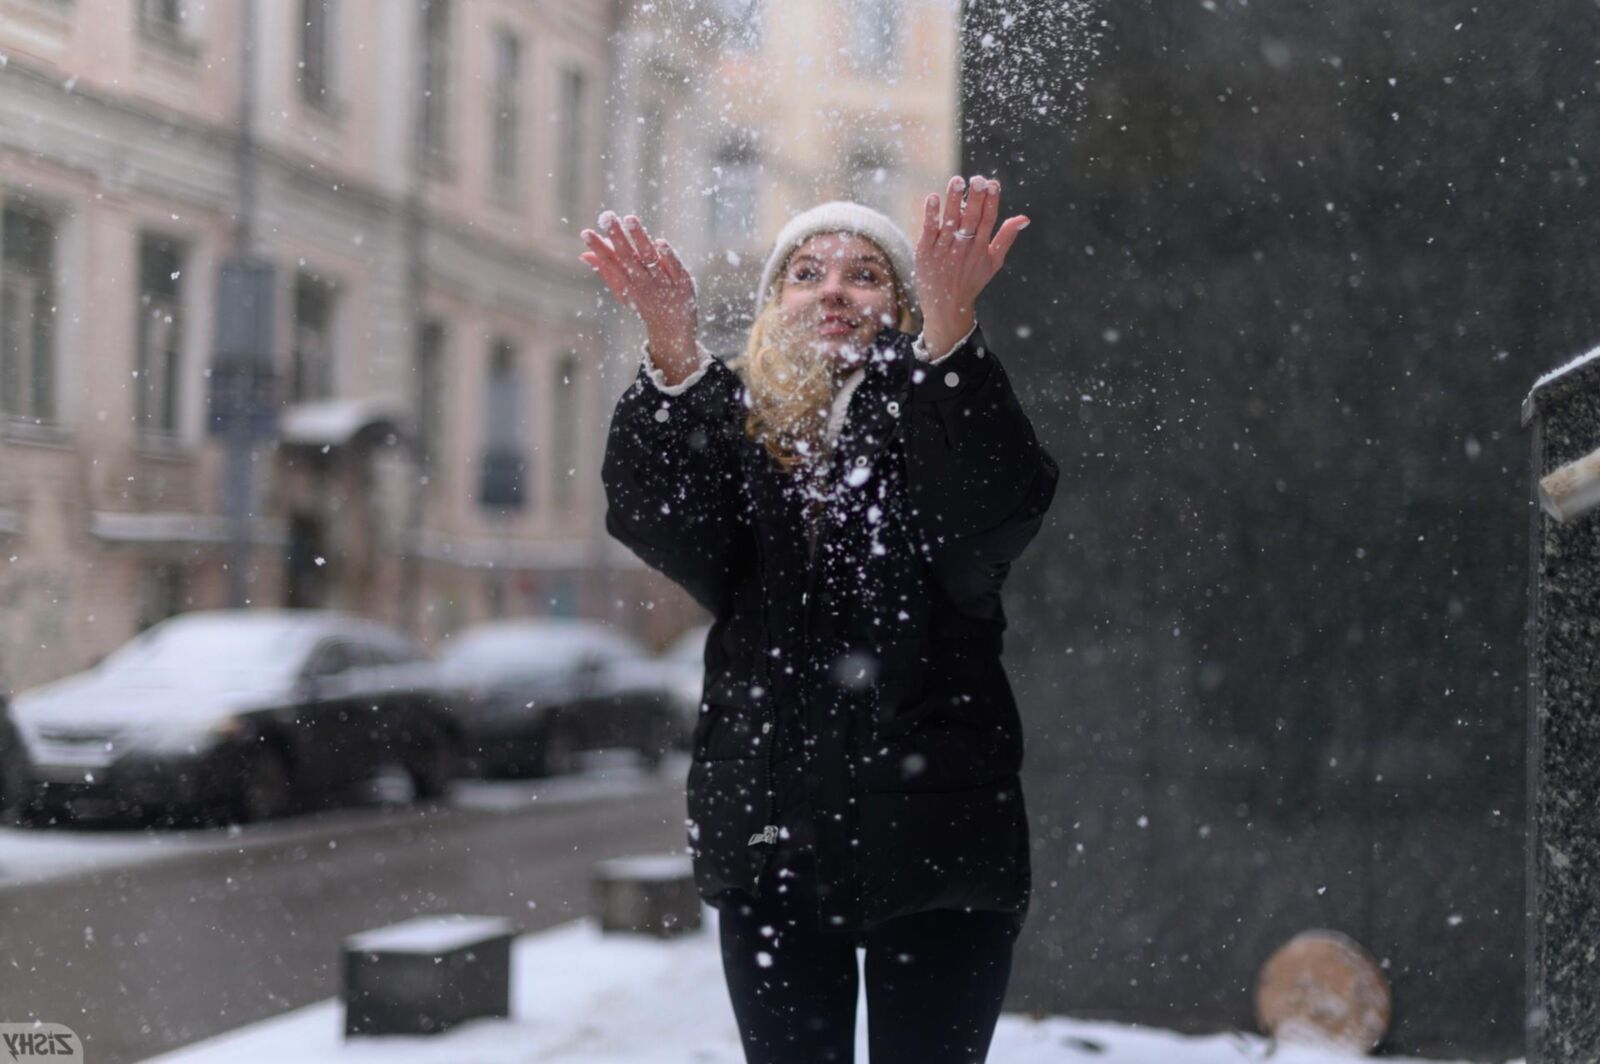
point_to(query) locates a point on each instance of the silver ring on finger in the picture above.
(962, 234)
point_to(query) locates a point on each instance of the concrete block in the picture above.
(426, 975)
(649, 894)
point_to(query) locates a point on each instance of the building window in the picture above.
(506, 119)
(317, 28)
(312, 375)
(430, 391)
(306, 569)
(564, 417)
(874, 28)
(165, 19)
(574, 139)
(163, 593)
(735, 208)
(504, 467)
(160, 333)
(27, 313)
(871, 179)
(433, 133)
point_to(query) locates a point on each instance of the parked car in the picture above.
(541, 693)
(684, 662)
(245, 713)
(13, 763)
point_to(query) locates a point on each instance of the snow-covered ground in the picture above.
(580, 996)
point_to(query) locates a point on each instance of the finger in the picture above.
(991, 213)
(679, 272)
(609, 271)
(627, 254)
(952, 207)
(1001, 246)
(643, 246)
(977, 194)
(602, 249)
(612, 276)
(671, 267)
(930, 223)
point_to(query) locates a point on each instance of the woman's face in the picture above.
(838, 291)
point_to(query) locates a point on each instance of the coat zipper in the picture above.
(768, 834)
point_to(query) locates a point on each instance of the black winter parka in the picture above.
(870, 647)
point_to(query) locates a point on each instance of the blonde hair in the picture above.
(789, 387)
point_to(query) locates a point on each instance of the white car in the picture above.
(245, 712)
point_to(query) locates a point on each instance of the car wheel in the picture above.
(660, 736)
(265, 791)
(13, 786)
(558, 750)
(433, 767)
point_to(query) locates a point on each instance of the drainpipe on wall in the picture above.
(409, 607)
(243, 423)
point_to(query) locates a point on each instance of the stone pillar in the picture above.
(1564, 728)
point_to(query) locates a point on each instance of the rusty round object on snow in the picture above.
(1321, 988)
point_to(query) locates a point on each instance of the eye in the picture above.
(803, 273)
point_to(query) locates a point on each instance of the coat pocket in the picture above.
(727, 800)
(963, 849)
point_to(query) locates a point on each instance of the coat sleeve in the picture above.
(980, 483)
(671, 476)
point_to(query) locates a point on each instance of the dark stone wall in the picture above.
(1275, 317)
(1564, 754)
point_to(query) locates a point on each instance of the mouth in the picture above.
(837, 325)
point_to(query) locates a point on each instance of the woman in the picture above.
(846, 500)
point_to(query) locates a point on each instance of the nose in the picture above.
(833, 288)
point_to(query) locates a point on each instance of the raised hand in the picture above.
(647, 276)
(956, 257)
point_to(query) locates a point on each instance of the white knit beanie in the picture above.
(841, 216)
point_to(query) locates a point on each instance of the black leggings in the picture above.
(935, 980)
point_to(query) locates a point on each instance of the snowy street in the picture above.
(145, 941)
(580, 996)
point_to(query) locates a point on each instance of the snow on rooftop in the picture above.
(579, 995)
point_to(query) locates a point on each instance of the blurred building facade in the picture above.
(415, 173)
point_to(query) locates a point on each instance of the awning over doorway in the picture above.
(339, 423)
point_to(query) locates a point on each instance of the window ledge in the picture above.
(164, 446)
(13, 430)
(56, 12)
(438, 166)
(329, 109)
(170, 43)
